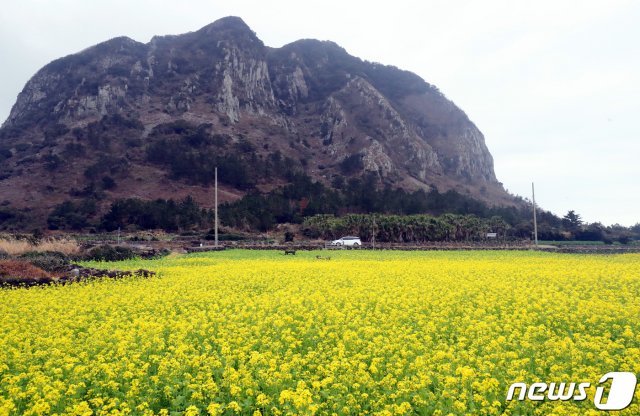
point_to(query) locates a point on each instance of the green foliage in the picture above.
(210, 236)
(288, 236)
(5, 153)
(192, 153)
(90, 192)
(352, 164)
(21, 147)
(119, 70)
(403, 228)
(572, 221)
(54, 131)
(73, 150)
(51, 161)
(592, 232)
(328, 66)
(71, 215)
(198, 165)
(108, 182)
(14, 219)
(10, 132)
(106, 164)
(302, 197)
(109, 253)
(624, 239)
(110, 129)
(50, 261)
(395, 82)
(159, 214)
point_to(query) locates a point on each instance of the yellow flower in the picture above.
(192, 411)
(234, 406)
(214, 409)
(262, 400)
(367, 332)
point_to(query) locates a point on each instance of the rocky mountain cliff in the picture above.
(124, 118)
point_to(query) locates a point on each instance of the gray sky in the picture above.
(553, 85)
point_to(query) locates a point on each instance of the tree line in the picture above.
(132, 213)
(417, 228)
(346, 208)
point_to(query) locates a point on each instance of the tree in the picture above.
(499, 226)
(592, 232)
(572, 221)
(624, 239)
(288, 236)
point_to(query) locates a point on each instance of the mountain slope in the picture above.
(124, 118)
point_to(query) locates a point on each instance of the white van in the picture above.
(347, 241)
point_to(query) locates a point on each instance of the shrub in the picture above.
(106, 164)
(5, 154)
(168, 215)
(18, 247)
(288, 236)
(22, 272)
(21, 147)
(51, 161)
(210, 236)
(73, 150)
(110, 253)
(352, 164)
(55, 131)
(50, 261)
(157, 254)
(71, 215)
(624, 239)
(108, 182)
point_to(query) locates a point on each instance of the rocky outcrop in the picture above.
(309, 101)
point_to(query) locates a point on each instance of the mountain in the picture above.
(128, 119)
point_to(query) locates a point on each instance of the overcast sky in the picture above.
(553, 85)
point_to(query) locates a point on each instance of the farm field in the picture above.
(259, 333)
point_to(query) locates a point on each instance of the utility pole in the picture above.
(216, 207)
(535, 221)
(373, 233)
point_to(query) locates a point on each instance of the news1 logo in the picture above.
(623, 387)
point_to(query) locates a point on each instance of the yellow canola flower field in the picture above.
(380, 333)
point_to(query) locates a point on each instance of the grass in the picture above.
(16, 247)
(585, 243)
(571, 243)
(14, 271)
